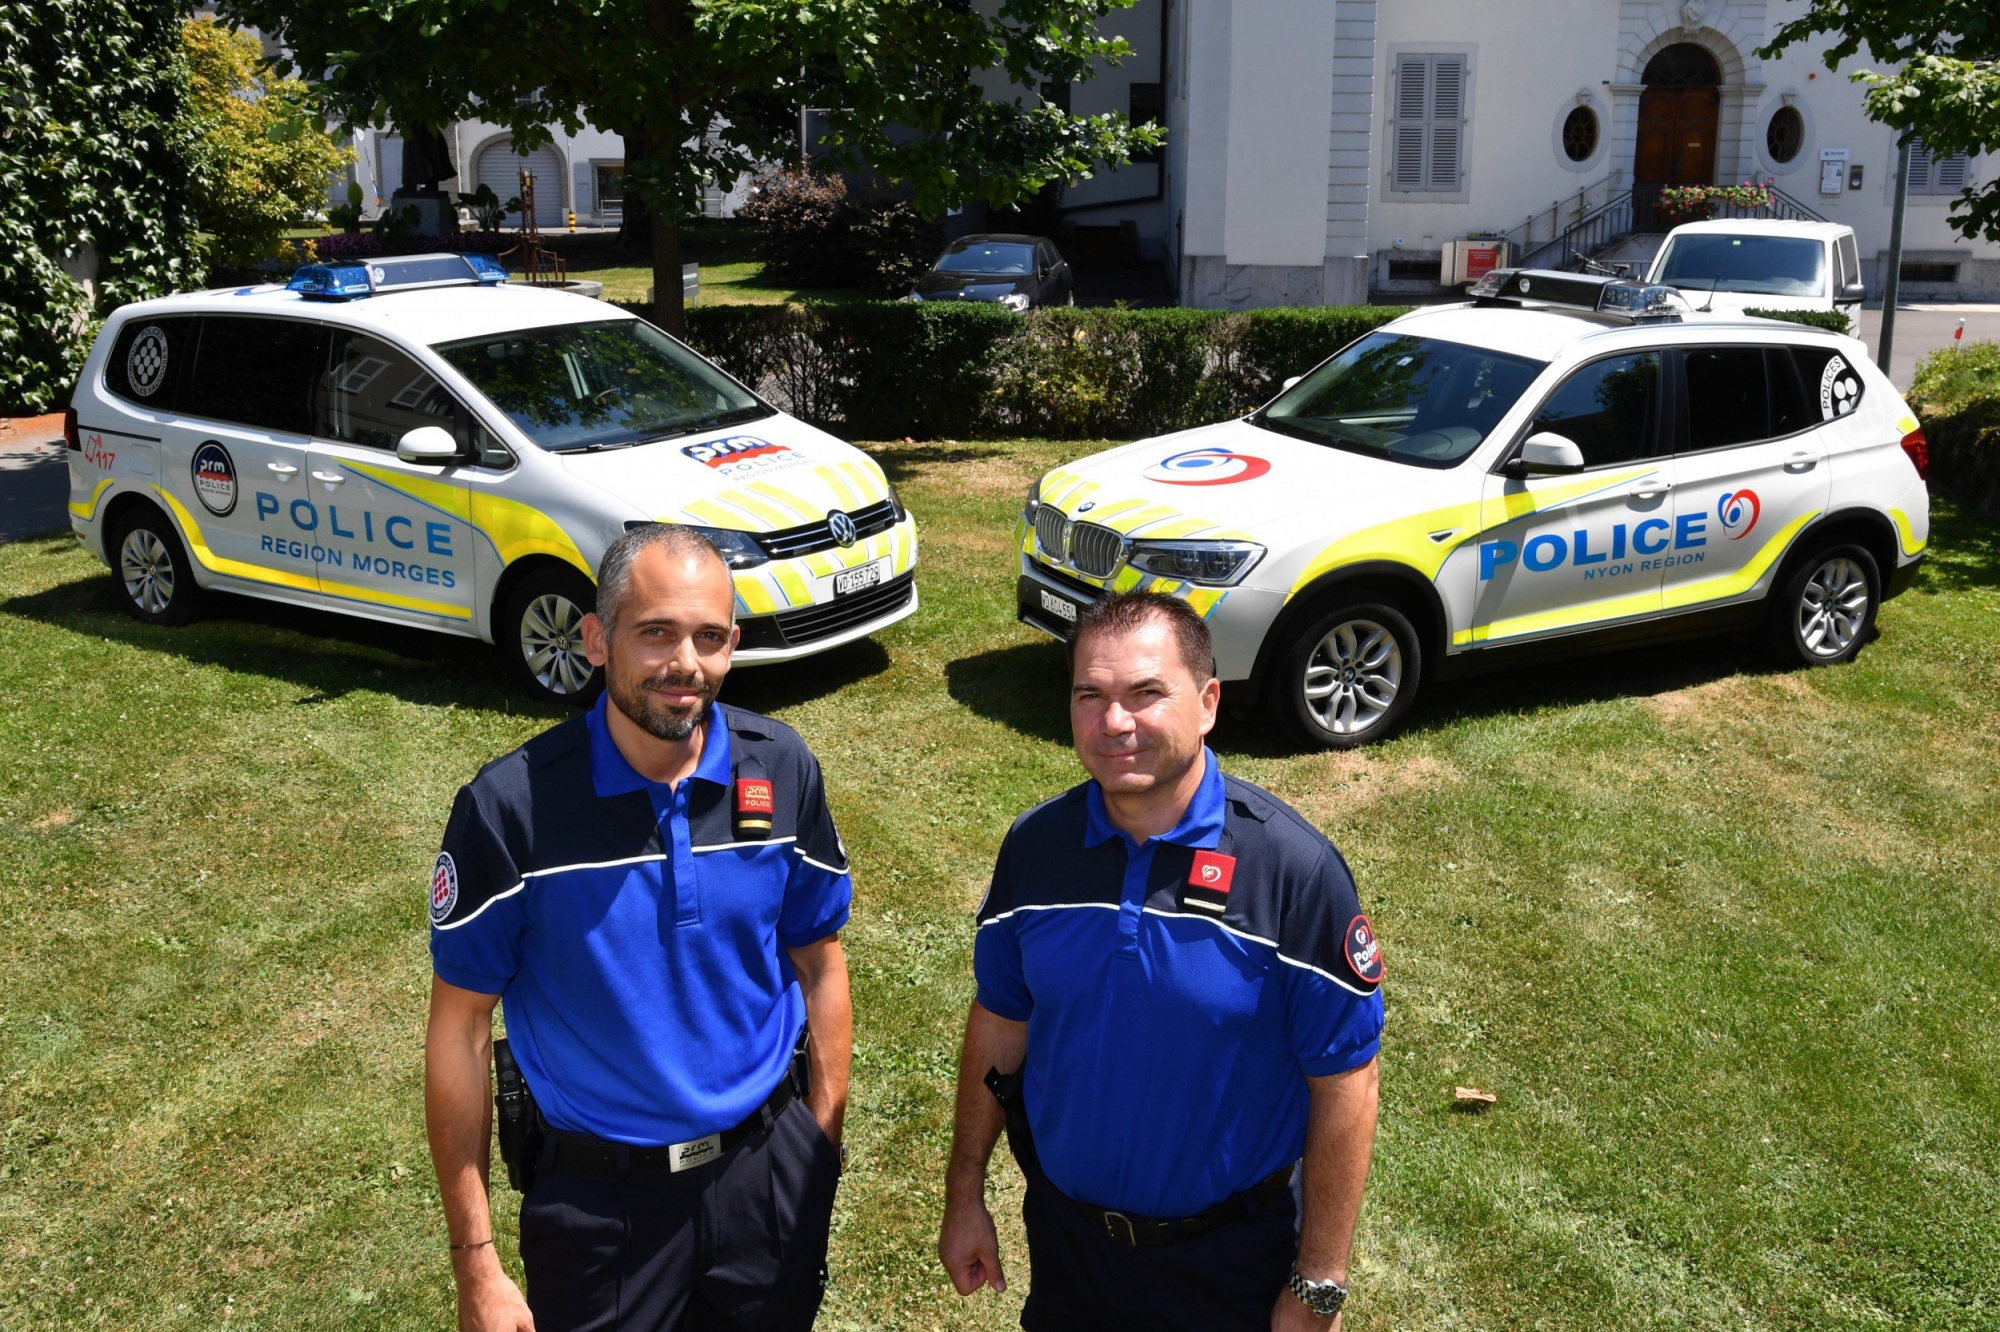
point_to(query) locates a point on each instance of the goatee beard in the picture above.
(656, 718)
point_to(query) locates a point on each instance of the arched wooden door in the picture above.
(1678, 114)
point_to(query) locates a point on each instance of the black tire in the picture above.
(540, 634)
(1823, 612)
(151, 570)
(1320, 688)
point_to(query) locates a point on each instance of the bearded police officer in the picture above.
(652, 890)
(1177, 1021)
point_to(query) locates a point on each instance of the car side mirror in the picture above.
(1854, 291)
(427, 444)
(1547, 454)
(1293, 380)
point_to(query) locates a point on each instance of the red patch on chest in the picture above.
(1212, 871)
(753, 796)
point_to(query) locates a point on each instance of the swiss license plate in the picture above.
(1058, 607)
(854, 580)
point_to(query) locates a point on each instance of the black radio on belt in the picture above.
(755, 803)
(518, 1121)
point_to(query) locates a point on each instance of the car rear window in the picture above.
(256, 372)
(1832, 386)
(146, 362)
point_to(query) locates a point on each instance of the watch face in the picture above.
(1323, 1299)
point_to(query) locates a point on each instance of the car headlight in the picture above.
(739, 549)
(896, 502)
(1209, 563)
(1015, 301)
(1033, 504)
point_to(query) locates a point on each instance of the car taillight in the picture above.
(69, 429)
(1919, 450)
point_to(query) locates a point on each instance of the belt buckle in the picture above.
(688, 1155)
(1112, 1220)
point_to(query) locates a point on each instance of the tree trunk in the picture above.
(669, 312)
(635, 228)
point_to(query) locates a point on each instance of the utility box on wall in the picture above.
(1465, 261)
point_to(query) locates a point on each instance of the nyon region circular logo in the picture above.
(215, 479)
(146, 363)
(1839, 389)
(1738, 512)
(1207, 467)
(444, 888)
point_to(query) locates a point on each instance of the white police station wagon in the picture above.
(1563, 464)
(415, 440)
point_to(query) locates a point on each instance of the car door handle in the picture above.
(1801, 461)
(285, 471)
(1649, 489)
(331, 478)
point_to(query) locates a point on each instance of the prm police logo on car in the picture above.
(444, 888)
(214, 474)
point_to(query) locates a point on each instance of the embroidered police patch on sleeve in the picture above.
(444, 888)
(1208, 882)
(1364, 950)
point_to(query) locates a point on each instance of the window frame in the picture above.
(1806, 400)
(463, 418)
(1664, 413)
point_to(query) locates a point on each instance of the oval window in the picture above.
(1786, 133)
(1580, 134)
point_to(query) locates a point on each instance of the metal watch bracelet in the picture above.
(1323, 1299)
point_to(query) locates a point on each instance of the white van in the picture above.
(1728, 267)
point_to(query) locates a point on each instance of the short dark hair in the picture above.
(614, 573)
(1123, 612)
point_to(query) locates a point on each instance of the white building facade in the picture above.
(1322, 151)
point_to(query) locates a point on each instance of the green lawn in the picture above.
(730, 273)
(1722, 940)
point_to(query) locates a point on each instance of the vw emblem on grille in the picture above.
(841, 528)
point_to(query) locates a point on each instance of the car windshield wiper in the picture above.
(731, 417)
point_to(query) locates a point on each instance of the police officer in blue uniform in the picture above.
(653, 891)
(1177, 1020)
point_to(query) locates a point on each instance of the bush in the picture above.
(815, 232)
(1833, 320)
(890, 369)
(1957, 393)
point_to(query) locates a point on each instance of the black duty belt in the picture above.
(1144, 1232)
(566, 1150)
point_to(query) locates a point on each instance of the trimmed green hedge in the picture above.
(895, 369)
(1957, 393)
(1833, 320)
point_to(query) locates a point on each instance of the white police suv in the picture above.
(1562, 464)
(415, 440)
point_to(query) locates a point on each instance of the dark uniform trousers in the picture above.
(738, 1243)
(1080, 1279)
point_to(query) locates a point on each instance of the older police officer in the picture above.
(1178, 1000)
(653, 890)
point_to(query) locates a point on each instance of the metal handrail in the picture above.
(1638, 209)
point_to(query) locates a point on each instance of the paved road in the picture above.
(34, 490)
(1923, 328)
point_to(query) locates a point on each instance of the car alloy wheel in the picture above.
(552, 644)
(1833, 608)
(147, 570)
(1353, 676)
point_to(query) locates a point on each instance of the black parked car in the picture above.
(1018, 272)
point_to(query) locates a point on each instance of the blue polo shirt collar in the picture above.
(611, 775)
(1201, 822)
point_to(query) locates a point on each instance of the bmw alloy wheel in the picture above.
(147, 569)
(1833, 607)
(1353, 676)
(552, 643)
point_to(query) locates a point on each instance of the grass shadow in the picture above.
(1024, 687)
(788, 684)
(1966, 552)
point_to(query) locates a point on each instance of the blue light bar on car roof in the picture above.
(345, 282)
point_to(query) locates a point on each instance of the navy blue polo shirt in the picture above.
(636, 940)
(1177, 993)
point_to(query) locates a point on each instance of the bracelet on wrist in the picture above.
(466, 1248)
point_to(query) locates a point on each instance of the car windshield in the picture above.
(1764, 265)
(606, 385)
(988, 259)
(1414, 400)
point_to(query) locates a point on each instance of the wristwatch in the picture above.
(1323, 1299)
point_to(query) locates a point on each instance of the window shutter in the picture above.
(1447, 120)
(1951, 173)
(1412, 101)
(1920, 168)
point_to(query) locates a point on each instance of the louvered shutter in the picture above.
(1412, 124)
(1951, 173)
(1447, 120)
(1920, 168)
